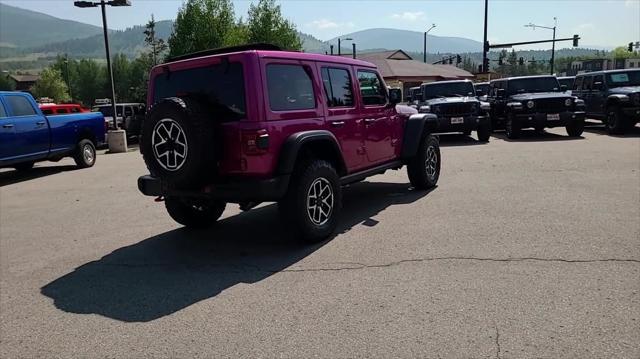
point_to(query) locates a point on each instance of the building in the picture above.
(399, 70)
(578, 67)
(24, 82)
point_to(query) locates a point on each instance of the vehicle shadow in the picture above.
(457, 139)
(14, 176)
(599, 129)
(168, 272)
(533, 136)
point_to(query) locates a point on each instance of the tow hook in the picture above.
(159, 199)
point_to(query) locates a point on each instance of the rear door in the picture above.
(586, 91)
(31, 129)
(597, 94)
(379, 120)
(342, 114)
(8, 138)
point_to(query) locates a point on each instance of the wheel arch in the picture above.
(85, 133)
(319, 144)
(416, 126)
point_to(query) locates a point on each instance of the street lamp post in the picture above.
(425, 43)
(103, 4)
(340, 47)
(553, 46)
(66, 68)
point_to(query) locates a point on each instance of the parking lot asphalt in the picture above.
(527, 248)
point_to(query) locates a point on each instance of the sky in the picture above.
(602, 23)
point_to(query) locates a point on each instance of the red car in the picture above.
(50, 109)
(253, 124)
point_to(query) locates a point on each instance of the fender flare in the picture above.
(295, 142)
(417, 125)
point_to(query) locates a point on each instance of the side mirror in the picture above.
(563, 88)
(395, 96)
(500, 93)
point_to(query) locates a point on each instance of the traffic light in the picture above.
(630, 48)
(575, 40)
(458, 59)
(521, 61)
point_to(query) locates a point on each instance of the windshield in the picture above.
(449, 89)
(627, 78)
(482, 87)
(220, 86)
(567, 82)
(533, 84)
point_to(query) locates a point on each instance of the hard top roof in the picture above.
(523, 77)
(607, 72)
(445, 82)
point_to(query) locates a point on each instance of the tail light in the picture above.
(255, 142)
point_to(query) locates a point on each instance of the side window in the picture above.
(290, 88)
(577, 84)
(47, 111)
(598, 78)
(338, 87)
(586, 85)
(371, 88)
(128, 111)
(20, 106)
(75, 109)
(3, 113)
(62, 110)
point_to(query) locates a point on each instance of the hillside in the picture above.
(23, 28)
(409, 41)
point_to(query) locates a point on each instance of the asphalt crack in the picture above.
(497, 342)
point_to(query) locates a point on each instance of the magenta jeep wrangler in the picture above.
(254, 124)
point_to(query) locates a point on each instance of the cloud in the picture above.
(409, 16)
(325, 24)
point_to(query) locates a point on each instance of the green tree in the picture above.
(157, 46)
(6, 84)
(68, 69)
(622, 53)
(51, 85)
(121, 77)
(92, 81)
(201, 25)
(266, 24)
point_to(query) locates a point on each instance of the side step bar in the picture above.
(355, 177)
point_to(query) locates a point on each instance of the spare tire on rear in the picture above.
(178, 143)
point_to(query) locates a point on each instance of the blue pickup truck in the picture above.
(27, 136)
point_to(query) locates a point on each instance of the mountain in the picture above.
(129, 42)
(408, 40)
(23, 28)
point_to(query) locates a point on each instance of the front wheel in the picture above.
(85, 155)
(194, 213)
(424, 167)
(484, 132)
(614, 122)
(313, 201)
(512, 128)
(575, 129)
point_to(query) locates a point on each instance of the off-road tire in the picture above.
(186, 155)
(295, 206)
(575, 128)
(615, 122)
(23, 167)
(85, 154)
(423, 172)
(194, 213)
(484, 132)
(512, 127)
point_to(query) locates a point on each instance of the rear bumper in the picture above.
(264, 190)
(470, 123)
(541, 120)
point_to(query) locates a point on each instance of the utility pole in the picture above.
(485, 47)
(553, 46)
(425, 43)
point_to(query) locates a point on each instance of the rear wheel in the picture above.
(614, 123)
(424, 168)
(194, 213)
(85, 155)
(512, 127)
(313, 201)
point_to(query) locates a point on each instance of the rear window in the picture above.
(290, 88)
(219, 86)
(20, 106)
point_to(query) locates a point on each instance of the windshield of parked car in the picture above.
(449, 89)
(567, 82)
(482, 87)
(533, 84)
(220, 86)
(626, 78)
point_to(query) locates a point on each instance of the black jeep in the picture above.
(537, 102)
(457, 108)
(612, 97)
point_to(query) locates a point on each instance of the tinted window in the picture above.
(337, 85)
(47, 111)
(62, 110)
(219, 86)
(371, 88)
(75, 109)
(627, 78)
(567, 82)
(290, 88)
(20, 106)
(128, 111)
(597, 78)
(586, 85)
(451, 89)
(577, 84)
(3, 113)
(533, 84)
